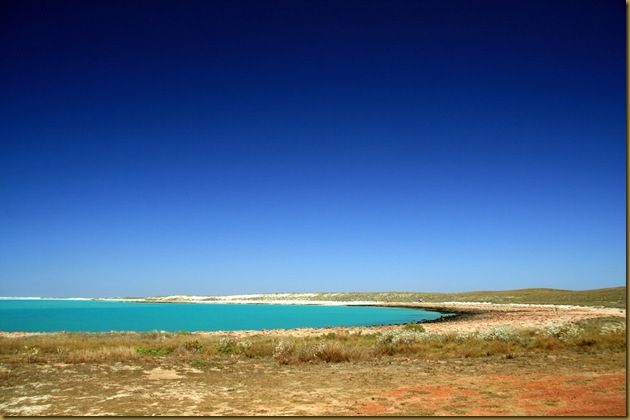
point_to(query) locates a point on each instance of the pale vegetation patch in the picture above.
(283, 351)
(402, 336)
(501, 333)
(613, 326)
(564, 332)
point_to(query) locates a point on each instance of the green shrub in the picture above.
(193, 346)
(228, 346)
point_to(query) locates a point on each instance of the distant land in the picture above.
(613, 297)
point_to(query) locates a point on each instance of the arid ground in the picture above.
(587, 384)
(493, 360)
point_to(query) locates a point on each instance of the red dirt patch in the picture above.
(436, 399)
(372, 409)
(548, 395)
(568, 395)
(576, 395)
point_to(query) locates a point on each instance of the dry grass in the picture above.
(237, 385)
(595, 335)
(106, 354)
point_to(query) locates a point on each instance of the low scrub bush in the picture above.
(331, 353)
(613, 327)
(283, 351)
(158, 351)
(257, 348)
(414, 327)
(564, 332)
(502, 333)
(328, 352)
(105, 354)
(194, 346)
(402, 336)
(228, 346)
(546, 343)
(401, 341)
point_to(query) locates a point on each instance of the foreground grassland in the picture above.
(401, 370)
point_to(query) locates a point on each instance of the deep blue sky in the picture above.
(214, 147)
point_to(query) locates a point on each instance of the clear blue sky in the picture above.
(216, 147)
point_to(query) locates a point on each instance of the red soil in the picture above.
(488, 395)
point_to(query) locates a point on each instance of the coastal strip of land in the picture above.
(492, 358)
(469, 316)
(614, 297)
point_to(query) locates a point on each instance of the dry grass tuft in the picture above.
(105, 354)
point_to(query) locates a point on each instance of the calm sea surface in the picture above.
(94, 316)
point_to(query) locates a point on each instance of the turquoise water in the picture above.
(97, 316)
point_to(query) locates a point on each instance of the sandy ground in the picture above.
(488, 315)
(529, 385)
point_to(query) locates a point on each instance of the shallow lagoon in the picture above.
(48, 315)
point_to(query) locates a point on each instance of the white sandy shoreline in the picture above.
(216, 300)
(481, 315)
